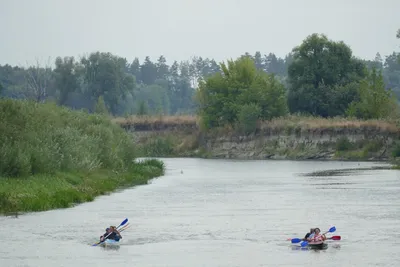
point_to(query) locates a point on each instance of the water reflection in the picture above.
(345, 172)
(108, 248)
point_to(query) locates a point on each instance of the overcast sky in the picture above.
(179, 29)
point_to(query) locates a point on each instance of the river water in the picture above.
(222, 213)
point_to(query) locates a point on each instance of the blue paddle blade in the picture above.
(333, 229)
(124, 222)
(304, 243)
(296, 240)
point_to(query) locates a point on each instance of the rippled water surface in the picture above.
(222, 213)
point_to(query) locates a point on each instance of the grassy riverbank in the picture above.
(291, 137)
(53, 157)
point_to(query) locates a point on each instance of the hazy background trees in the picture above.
(320, 77)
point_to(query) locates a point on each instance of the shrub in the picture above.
(248, 117)
(45, 138)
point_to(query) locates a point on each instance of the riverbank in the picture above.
(53, 157)
(63, 190)
(292, 137)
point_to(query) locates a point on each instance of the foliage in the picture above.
(63, 189)
(43, 139)
(101, 107)
(321, 76)
(105, 76)
(66, 77)
(248, 117)
(396, 150)
(143, 110)
(321, 68)
(158, 147)
(344, 144)
(222, 95)
(375, 102)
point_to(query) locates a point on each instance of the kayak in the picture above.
(318, 245)
(110, 242)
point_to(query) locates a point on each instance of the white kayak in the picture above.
(110, 242)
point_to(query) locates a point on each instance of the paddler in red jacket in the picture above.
(317, 236)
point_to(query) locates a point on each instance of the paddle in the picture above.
(124, 228)
(298, 240)
(335, 237)
(331, 230)
(123, 222)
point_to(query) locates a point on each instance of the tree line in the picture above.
(323, 79)
(319, 77)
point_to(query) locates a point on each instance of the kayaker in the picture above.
(317, 236)
(309, 234)
(111, 233)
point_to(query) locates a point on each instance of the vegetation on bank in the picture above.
(174, 136)
(53, 157)
(276, 125)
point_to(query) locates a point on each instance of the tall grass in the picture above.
(52, 156)
(281, 124)
(61, 190)
(43, 138)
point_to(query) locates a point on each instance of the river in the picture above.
(222, 213)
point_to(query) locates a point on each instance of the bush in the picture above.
(158, 147)
(248, 117)
(45, 138)
(396, 150)
(343, 144)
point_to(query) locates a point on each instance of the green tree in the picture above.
(142, 108)
(258, 60)
(65, 78)
(100, 106)
(319, 65)
(375, 102)
(134, 69)
(221, 96)
(162, 68)
(105, 76)
(248, 117)
(148, 71)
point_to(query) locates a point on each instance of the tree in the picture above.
(319, 66)
(142, 108)
(162, 68)
(37, 80)
(258, 61)
(105, 76)
(134, 69)
(148, 71)
(398, 37)
(101, 107)
(375, 102)
(222, 96)
(274, 65)
(65, 78)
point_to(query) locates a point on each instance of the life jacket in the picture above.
(112, 236)
(317, 238)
